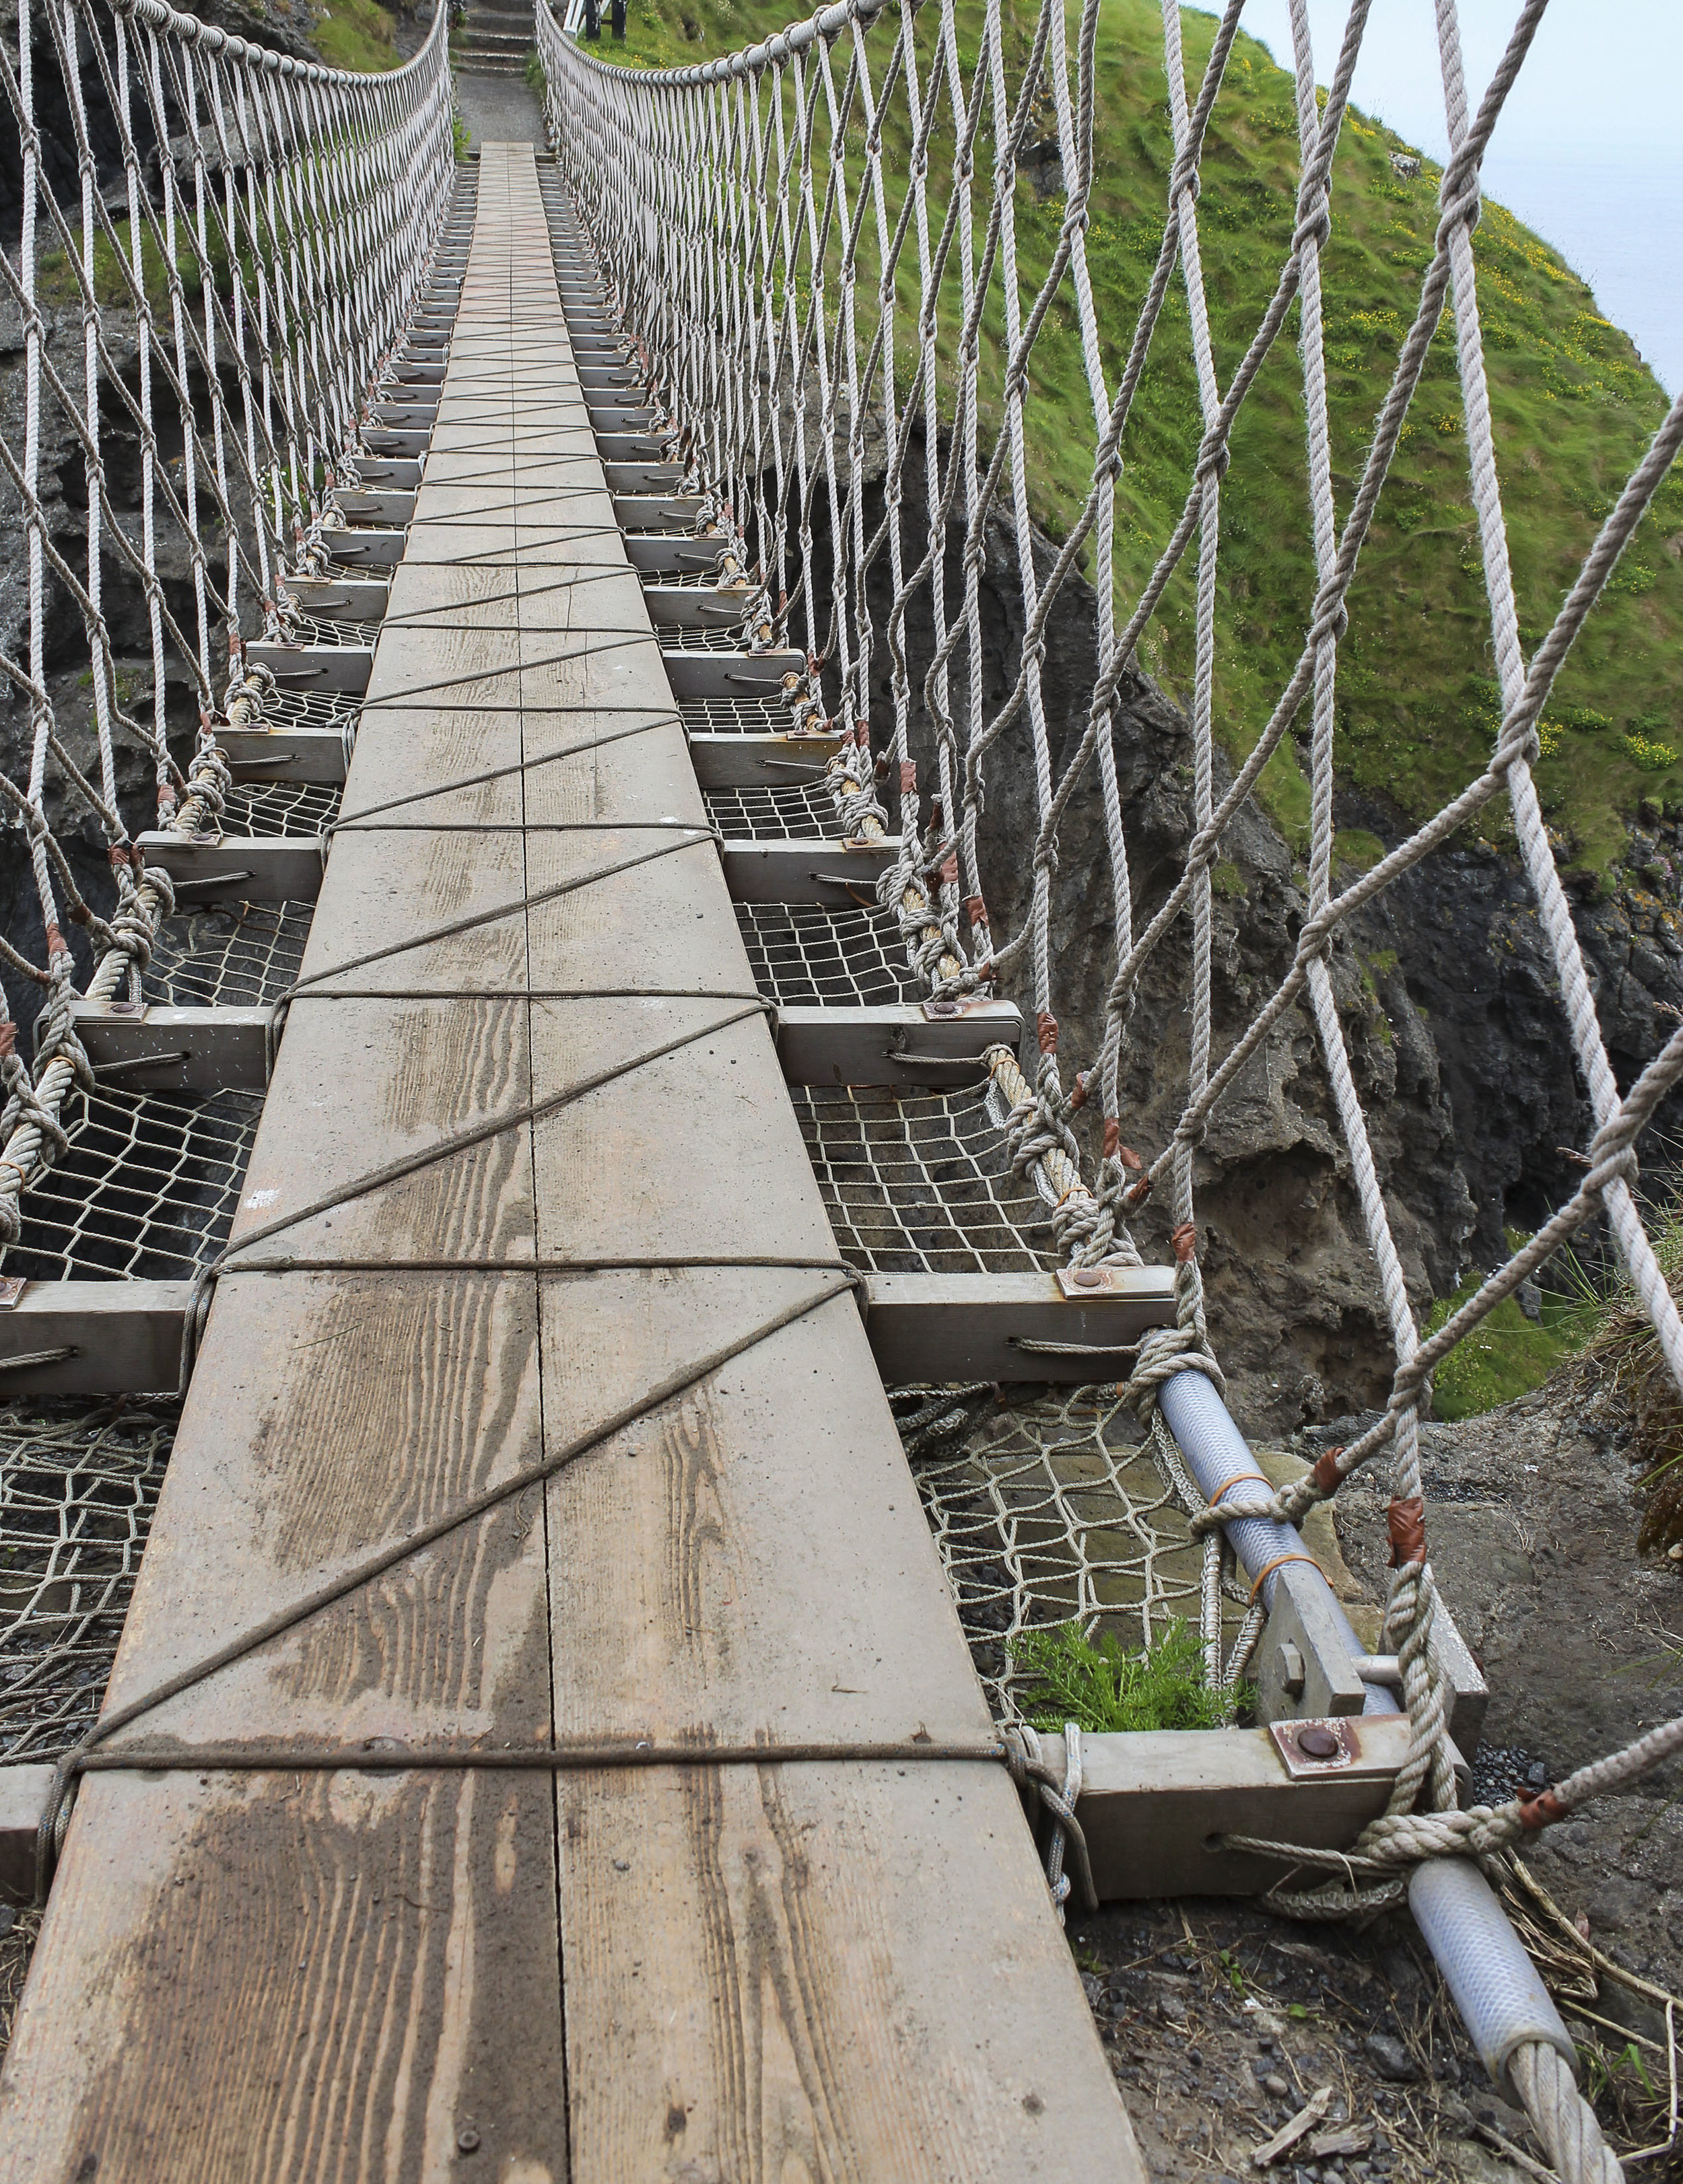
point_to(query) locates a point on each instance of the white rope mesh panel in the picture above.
(218, 252)
(77, 1495)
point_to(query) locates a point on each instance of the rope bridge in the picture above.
(831, 414)
(814, 245)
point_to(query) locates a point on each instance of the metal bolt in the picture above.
(1089, 1278)
(1317, 1743)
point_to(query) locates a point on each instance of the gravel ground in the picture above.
(499, 109)
(1222, 2023)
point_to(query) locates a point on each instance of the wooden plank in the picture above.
(597, 938)
(148, 1047)
(122, 1337)
(899, 1044)
(832, 872)
(411, 763)
(784, 1973)
(615, 1179)
(359, 1083)
(237, 867)
(975, 1327)
(388, 1942)
(638, 778)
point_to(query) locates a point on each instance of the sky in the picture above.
(1589, 149)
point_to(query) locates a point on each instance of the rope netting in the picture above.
(219, 253)
(1052, 1510)
(815, 246)
(77, 1494)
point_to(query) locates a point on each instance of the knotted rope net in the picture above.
(826, 252)
(218, 253)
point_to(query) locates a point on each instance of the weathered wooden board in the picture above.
(277, 1979)
(360, 1083)
(743, 1622)
(389, 890)
(664, 926)
(789, 1972)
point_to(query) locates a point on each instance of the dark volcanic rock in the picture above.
(1293, 1297)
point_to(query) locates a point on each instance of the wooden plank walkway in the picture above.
(724, 1972)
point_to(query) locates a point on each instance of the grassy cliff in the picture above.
(1573, 402)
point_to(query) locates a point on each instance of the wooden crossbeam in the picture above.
(340, 598)
(389, 473)
(146, 1047)
(367, 546)
(727, 761)
(310, 668)
(657, 511)
(902, 1043)
(744, 676)
(287, 868)
(1012, 1326)
(643, 477)
(238, 867)
(1153, 1806)
(374, 508)
(838, 873)
(625, 444)
(653, 552)
(150, 1047)
(284, 753)
(696, 606)
(92, 1338)
(396, 439)
(24, 1791)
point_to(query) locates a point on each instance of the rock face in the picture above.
(1456, 1039)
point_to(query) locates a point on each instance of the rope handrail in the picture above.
(243, 237)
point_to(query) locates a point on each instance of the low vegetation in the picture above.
(1621, 1358)
(1096, 1682)
(356, 34)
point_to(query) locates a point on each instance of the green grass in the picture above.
(1095, 1682)
(356, 34)
(1507, 1354)
(1573, 404)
